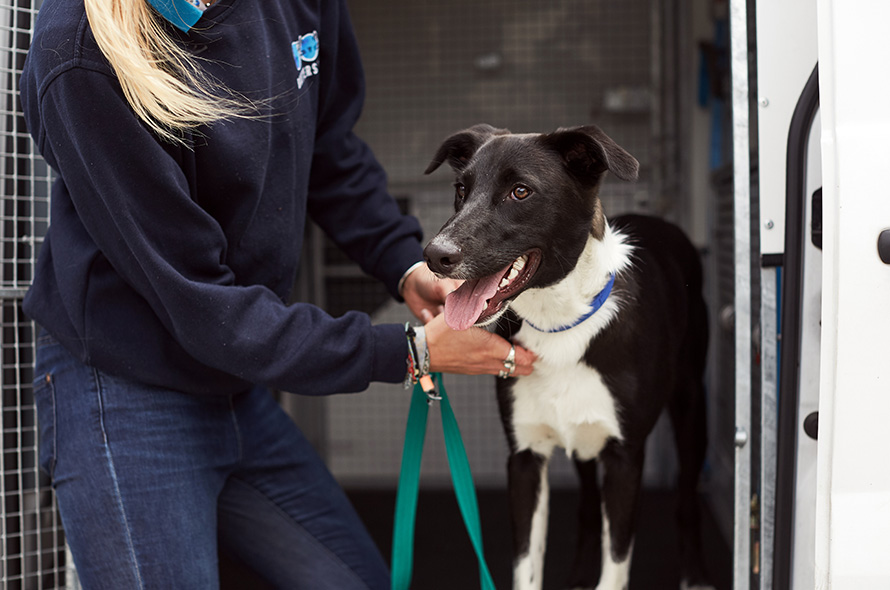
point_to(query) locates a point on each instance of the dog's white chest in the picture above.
(568, 406)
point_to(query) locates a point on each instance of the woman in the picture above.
(190, 142)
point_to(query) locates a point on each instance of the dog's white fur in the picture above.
(528, 572)
(566, 301)
(565, 402)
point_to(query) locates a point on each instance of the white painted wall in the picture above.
(853, 494)
(786, 55)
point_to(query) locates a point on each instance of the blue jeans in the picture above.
(149, 480)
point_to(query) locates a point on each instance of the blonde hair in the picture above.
(163, 83)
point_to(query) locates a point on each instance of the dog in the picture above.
(615, 313)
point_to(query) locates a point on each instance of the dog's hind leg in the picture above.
(529, 505)
(588, 553)
(621, 493)
(688, 417)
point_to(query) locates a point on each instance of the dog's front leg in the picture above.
(621, 492)
(585, 570)
(529, 503)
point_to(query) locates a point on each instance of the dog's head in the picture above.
(524, 208)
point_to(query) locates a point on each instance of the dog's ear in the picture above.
(460, 147)
(588, 152)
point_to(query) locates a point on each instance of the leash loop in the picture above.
(409, 485)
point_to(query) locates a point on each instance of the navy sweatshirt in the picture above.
(171, 265)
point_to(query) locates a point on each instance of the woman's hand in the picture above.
(424, 291)
(470, 352)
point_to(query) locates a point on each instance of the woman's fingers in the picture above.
(525, 360)
(473, 351)
(423, 291)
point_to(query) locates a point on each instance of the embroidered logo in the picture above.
(305, 56)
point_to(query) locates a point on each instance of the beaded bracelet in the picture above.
(419, 362)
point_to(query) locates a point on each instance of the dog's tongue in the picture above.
(464, 305)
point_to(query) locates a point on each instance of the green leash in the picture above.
(409, 484)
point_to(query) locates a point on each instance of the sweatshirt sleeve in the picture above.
(138, 211)
(347, 194)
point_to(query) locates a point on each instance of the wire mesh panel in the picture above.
(434, 68)
(32, 545)
(25, 177)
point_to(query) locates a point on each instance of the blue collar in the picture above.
(595, 305)
(181, 13)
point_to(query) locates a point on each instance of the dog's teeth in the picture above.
(517, 267)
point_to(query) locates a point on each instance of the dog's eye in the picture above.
(520, 192)
(460, 191)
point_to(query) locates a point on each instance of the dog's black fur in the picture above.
(650, 354)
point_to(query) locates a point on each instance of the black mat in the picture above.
(444, 558)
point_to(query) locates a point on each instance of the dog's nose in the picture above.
(442, 256)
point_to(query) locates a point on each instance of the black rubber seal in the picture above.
(792, 285)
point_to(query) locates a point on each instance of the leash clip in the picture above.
(429, 388)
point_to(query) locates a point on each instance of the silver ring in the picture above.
(509, 364)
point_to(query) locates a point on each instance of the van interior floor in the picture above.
(444, 558)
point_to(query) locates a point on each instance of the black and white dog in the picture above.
(615, 313)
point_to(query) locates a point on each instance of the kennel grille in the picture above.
(32, 543)
(434, 68)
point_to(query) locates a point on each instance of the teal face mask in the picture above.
(181, 13)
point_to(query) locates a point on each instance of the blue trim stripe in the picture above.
(595, 305)
(180, 13)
